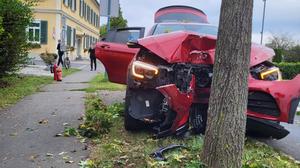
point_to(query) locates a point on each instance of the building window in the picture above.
(38, 32)
(88, 13)
(34, 32)
(81, 8)
(73, 7)
(66, 2)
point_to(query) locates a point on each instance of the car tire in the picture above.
(130, 123)
(198, 118)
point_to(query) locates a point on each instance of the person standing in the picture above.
(60, 53)
(93, 57)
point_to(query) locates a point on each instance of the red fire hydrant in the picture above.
(59, 73)
(55, 72)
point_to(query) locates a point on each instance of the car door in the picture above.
(114, 53)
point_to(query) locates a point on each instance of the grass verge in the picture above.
(298, 113)
(99, 83)
(69, 71)
(15, 87)
(119, 148)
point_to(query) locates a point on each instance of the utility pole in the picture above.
(263, 22)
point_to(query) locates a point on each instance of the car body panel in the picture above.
(115, 55)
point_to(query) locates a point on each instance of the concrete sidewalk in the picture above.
(24, 142)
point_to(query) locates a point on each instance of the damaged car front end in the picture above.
(169, 81)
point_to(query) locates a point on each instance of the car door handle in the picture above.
(105, 46)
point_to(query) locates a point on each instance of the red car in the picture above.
(169, 73)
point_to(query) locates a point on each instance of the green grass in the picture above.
(298, 113)
(119, 148)
(15, 87)
(69, 71)
(99, 83)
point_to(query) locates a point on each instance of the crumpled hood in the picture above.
(175, 47)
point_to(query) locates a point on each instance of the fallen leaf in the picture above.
(66, 124)
(66, 158)
(13, 134)
(69, 161)
(49, 154)
(58, 135)
(44, 121)
(73, 151)
(62, 153)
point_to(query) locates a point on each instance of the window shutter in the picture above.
(69, 35)
(75, 5)
(80, 8)
(74, 37)
(70, 3)
(44, 32)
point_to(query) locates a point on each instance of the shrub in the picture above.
(292, 55)
(16, 16)
(48, 58)
(289, 70)
(33, 45)
(99, 118)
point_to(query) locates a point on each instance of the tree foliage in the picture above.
(115, 22)
(286, 50)
(16, 16)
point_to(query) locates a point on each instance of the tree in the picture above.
(115, 22)
(293, 54)
(16, 16)
(225, 132)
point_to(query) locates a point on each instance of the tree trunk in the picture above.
(225, 132)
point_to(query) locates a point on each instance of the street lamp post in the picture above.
(263, 22)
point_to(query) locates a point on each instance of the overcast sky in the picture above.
(282, 16)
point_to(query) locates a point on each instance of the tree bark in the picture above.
(225, 132)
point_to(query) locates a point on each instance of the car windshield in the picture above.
(197, 28)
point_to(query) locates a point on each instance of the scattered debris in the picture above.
(29, 129)
(158, 154)
(13, 134)
(58, 135)
(33, 157)
(69, 161)
(53, 114)
(66, 124)
(62, 153)
(49, 154)
(74, 151)
(44, 121)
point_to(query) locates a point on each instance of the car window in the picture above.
(123, 36)
(197, 28)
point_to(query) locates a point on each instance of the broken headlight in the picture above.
(266, 71)
(143, 70)
(271, 74)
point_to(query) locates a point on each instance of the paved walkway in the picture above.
(24, 142)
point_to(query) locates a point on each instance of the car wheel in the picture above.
(198, 117)
(130, 123)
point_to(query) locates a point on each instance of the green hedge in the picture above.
(289, 70)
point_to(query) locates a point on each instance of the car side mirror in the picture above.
(133, 44)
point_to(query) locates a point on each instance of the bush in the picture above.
(33, 45)
(16, 16)
(48, 58)
(99, 118)
(289, 70)
(292, 55)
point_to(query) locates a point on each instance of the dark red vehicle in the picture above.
(169, 73)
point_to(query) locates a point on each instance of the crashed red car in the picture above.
(169, 73)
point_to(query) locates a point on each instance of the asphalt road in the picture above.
(291, 143)
(28, 129)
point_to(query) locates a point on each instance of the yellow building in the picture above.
(75, 22)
